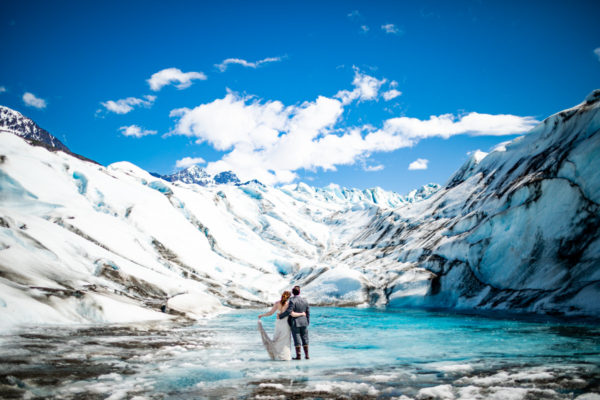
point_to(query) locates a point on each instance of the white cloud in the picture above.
(186, 162)
(269, 141)
(391, 28)
(223, 66)
(123, 106)
(2, 89)
(373, 168)
(597, 52)
(365, 88)
(266, 140)
(230, 121)
(419, 163)
(447, 125)
(364, 28)
(135, 131)
(31, 100)
(170, 76)
(391, 94)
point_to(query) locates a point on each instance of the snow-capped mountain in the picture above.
(193, 174)
(14, 122)
(515, 229)
(20, 125)
(197, 175)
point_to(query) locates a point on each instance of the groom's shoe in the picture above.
(298, 355)
(306, 352)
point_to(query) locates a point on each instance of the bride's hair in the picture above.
(285, 296)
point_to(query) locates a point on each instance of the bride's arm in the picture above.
(270, 312)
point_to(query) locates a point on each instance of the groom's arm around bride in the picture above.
(288, 311)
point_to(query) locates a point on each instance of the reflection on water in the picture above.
(355, 353)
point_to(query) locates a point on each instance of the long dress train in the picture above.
(278, 347)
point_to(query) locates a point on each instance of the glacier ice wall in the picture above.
(516, 229)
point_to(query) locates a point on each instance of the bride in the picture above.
(278, 347)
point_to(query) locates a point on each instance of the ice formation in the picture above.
(515, 229)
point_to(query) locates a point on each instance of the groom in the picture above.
(299, 325)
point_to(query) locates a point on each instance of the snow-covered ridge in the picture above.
(358, 197)
(516, 229)
(303, 192)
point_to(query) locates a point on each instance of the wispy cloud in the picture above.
(391, 29)
(391, 94)
(123, 106)
(365, 88)
(170, 76)
(135, 131)
(2, 89)
(419, 163)
(229, 61)
(32, 101)
(373, 168)
(597, 52)
(364, 28)
(186, 162)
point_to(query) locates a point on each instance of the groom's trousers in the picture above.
(300, 335)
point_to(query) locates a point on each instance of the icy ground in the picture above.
(516, 229)
(355, 353)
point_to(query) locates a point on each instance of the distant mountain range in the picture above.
(199, 176)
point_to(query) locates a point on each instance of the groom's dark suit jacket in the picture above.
(297, 304)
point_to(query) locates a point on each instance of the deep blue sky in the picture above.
(518, 58)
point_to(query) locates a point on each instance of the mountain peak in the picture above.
(194, 168)
(15, 122)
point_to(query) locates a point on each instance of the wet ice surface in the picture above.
(355, 353)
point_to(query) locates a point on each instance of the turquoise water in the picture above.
(355, 353)
(392, 353)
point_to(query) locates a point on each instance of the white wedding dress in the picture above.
(278, 347)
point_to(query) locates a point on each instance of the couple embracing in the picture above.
(293, 317)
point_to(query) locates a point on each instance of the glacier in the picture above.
(512, 230)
